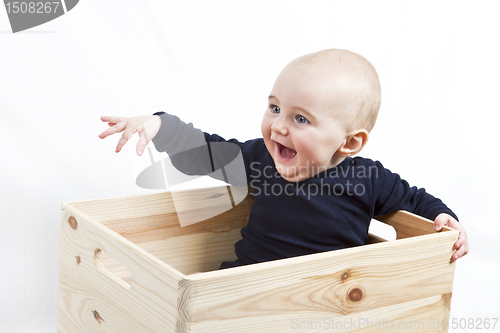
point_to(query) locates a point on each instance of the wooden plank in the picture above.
(132, 206)
(408, 224)
(195, 253)
(194, 248)
(92, 299)
(336, 283)
(167, 226)
(423, 315)
(195, 206)
(373, 239)
(148, 205)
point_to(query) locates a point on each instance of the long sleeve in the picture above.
(392, 193)
(194, 152)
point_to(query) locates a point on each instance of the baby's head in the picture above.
(321, 109)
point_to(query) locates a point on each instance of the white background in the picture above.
(213, 63)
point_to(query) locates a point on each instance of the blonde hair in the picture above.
(367, 95)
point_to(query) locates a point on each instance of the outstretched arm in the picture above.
(190, 150)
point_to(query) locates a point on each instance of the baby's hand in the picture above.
(146, 126)
(462, 243)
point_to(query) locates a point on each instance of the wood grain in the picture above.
(385, 274)
(124, 264)
(148, 304)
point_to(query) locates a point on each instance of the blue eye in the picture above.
(301, 119)
(275, 109)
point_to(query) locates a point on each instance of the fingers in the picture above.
(146, 126)
(462, 244)
(441, 221)
(117, 124)
(143, 141)
(462, 247)
(127, 134)
(113, 129)
(110, 131)
(112, 119)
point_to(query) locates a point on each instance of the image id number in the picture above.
(31, 7)
(473, 323)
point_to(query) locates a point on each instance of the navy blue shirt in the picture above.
(329, 211)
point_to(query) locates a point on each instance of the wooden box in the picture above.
(124, 265)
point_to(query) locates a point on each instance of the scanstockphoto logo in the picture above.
(24, 15)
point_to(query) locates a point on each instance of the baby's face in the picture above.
(303, 126)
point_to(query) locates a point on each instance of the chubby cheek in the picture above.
(315, 150)
(265, 128)
(307, 151)
(267, 123)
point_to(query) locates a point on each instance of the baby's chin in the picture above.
(290, 174)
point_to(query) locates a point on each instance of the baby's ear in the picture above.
(354, 143)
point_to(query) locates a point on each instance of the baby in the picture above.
(311, 195)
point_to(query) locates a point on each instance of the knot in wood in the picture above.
(345, 275)
(98, 317)
(355, 295)
(72, 222)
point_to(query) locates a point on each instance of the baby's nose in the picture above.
(279, 127)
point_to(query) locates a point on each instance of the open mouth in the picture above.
(285, 152)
